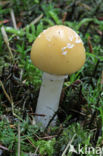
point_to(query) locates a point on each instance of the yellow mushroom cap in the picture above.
(58, 50)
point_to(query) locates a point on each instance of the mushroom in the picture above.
(58, 51)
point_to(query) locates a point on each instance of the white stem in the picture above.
(49, 97)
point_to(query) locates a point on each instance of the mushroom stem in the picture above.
(49, 96)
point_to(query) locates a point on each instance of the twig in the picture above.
(48, 137)
(18, 140)
(51, 120)
(95, 112)
(10, 100)
(5, 92)
(31, 142)
(87, 27)
(37, 114)
(4, 148)
(85, 6)
(64, 17)
(90, 45)
(36, 150)
(21, 74)
(69, 143)
(75, 111)
(6, 41)
(13, 18)
(60, 130)
(3, 3)
(95, 68)
(34, 21)
(102, 78)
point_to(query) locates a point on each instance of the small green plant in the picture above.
(46, 147)
(31, 73)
